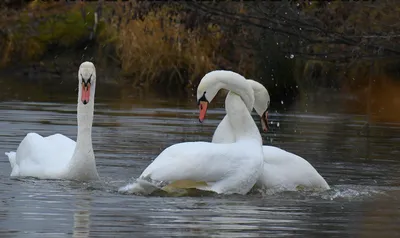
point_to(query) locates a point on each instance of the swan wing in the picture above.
(222, 168)
(285, 170)
(41, 157)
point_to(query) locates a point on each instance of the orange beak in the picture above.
(264, 121)
(203, 110)
(85, 93)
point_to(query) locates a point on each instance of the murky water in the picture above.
(361, 163)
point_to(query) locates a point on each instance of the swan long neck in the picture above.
(241, 89)
(83, 156)
(231, 81)
(240, 118)
(85, 120)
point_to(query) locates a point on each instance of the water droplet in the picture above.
(281, 102)
(292, 56)
(277, 124)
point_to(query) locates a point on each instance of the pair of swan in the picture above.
(229, 164)
(232, 163)
(222, 168)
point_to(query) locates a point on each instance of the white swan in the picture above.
(221, 168)
(282, 170)
(224, 132)
(57, 156)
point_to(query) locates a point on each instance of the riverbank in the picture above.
(152, 43)
(166, 46)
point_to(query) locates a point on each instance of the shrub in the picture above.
(40, 26)
(159, 48)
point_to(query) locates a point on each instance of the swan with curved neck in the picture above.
(57, 156)
(282, 170)
(224, 132)
(221, 168)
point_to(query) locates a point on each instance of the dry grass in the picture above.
(160, 49)
(28, 33)
(160, 43)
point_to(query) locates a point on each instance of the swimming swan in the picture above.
(57, 156)
(221, 168)
(282, 170)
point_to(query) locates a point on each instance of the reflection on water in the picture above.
(360, 162)
(82, 216)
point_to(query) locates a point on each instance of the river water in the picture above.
(360, 162)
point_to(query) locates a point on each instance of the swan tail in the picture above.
(12, 158)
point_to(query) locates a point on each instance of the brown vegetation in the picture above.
(379, 99)
(331, 44)
(154, 43)
(31, 31)
(329, 37)
(159, 47)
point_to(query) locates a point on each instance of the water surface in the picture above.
(360, 162)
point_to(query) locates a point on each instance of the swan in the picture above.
(224, 132)
(57, 156)
(282, 170)
(220, 168)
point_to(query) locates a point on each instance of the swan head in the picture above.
(213, 81)
(261, 102)
(87, 81)
(206, 91)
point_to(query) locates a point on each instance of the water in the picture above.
(360, 163)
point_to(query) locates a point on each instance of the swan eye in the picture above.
(88, 80)
(203, 98)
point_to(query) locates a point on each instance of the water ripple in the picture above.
(361, 165)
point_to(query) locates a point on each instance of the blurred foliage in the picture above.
(159, 48)
(370, 36)
(33, 30)
(155, 43)
(283, 44)
(317, 43)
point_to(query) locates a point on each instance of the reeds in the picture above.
(159, 48)
(155, 43)
(28, 33)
